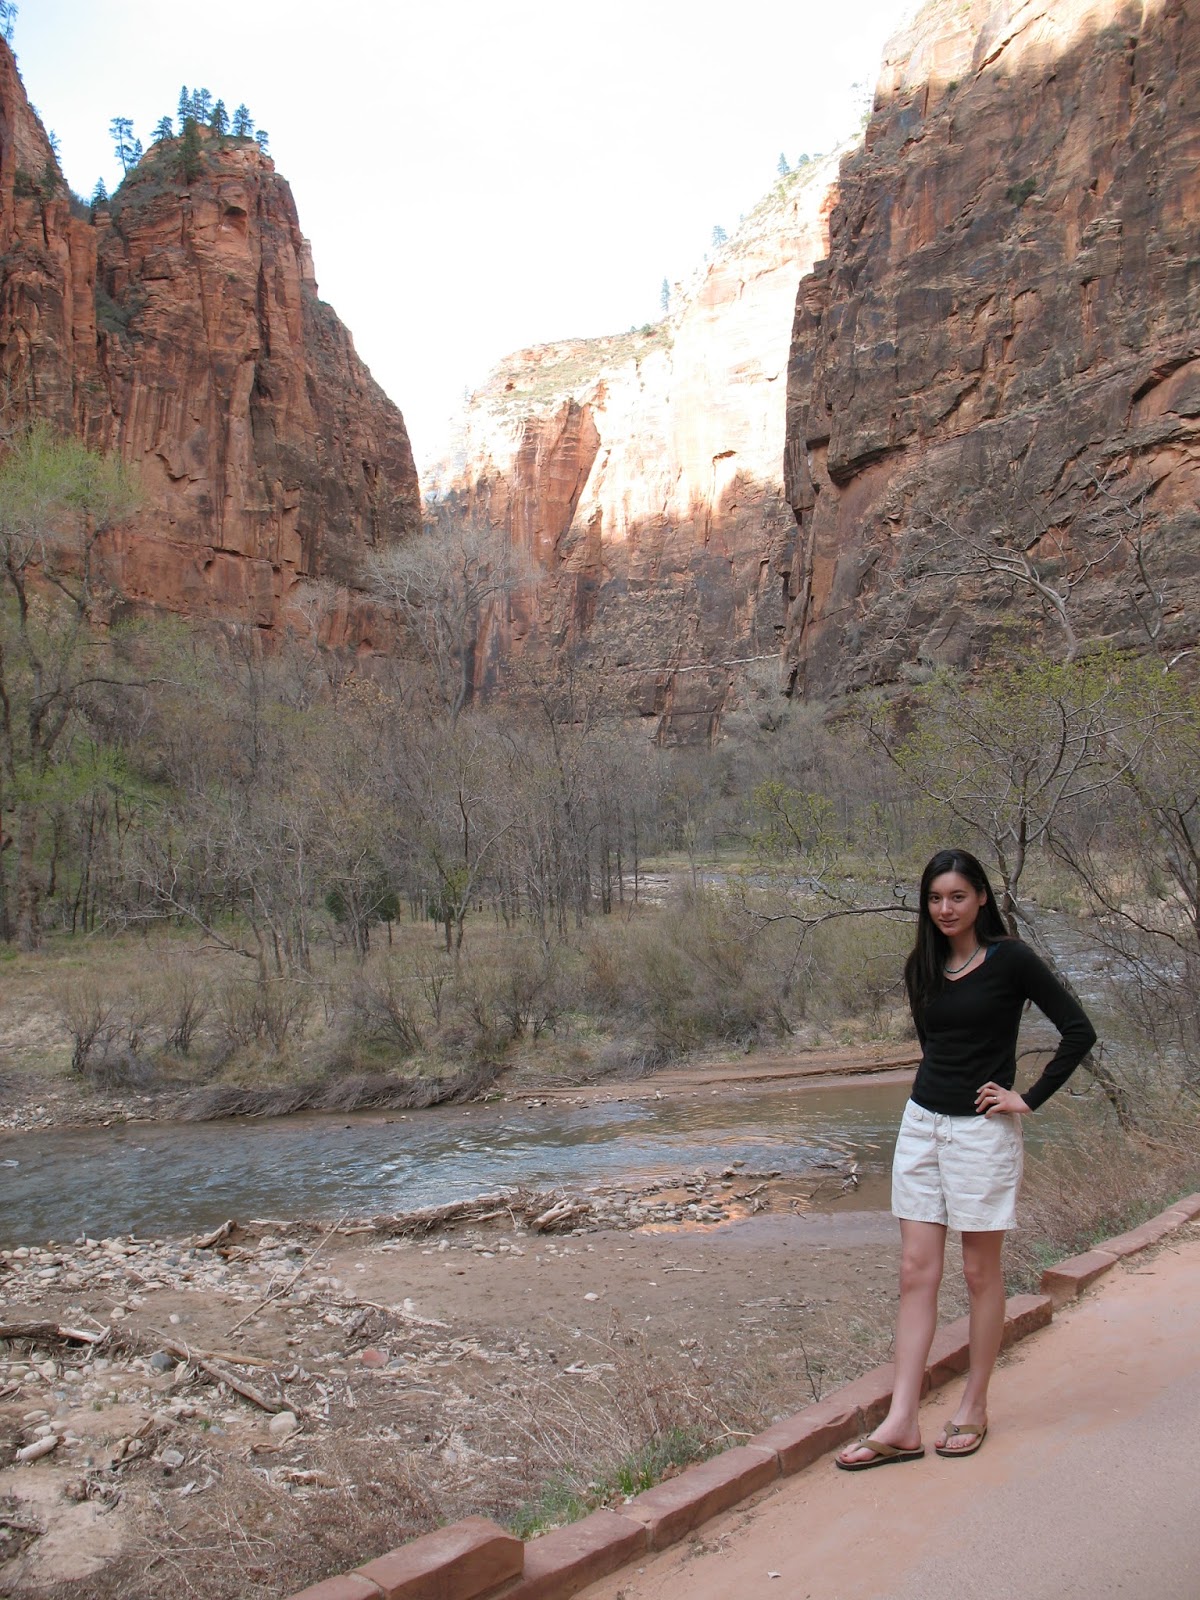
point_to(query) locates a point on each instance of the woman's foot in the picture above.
(862, 1452)
(961, 1437)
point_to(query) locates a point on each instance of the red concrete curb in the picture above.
(949, 1355)
(473, 1558)
(1066, 1279)
(804, 1437)
(348, 1587)
(1025, 1314)
(1188, 1208)
(560, 1563)
(458, 1562)
(1071, 1277)
(671, 1509)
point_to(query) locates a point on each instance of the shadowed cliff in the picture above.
(996, 371)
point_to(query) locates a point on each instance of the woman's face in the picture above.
(954, 903)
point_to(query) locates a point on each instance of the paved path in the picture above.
(1087, 1487)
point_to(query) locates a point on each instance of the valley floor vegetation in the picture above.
(289, 872)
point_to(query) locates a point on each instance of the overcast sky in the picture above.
(477, 176)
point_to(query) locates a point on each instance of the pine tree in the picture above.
(121, 131)
(190, 160)
(202, 104)
(8, 15)
(260, 139)
(784, 169)
(164, 128)
(243, 122)
(664, 296)
(719, 236)
(99, 194)
(219, 121)
(185, 106)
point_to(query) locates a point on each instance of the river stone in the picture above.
(162, 1362)
(283, 1424)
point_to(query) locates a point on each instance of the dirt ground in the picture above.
(287, 1399)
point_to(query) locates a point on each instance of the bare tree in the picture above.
(443, 585)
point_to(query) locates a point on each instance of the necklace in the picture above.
(951, 971)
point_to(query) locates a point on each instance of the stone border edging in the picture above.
(474, 1558)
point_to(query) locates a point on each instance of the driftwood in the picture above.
(539, 1210)
(283, 1288)
(205, 1241)
(399, 1312)
(212, 1368)
(559, 1214)
(40, 1332)
(184, 1352)
(40, 1448)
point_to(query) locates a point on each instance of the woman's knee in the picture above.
(920, 1270)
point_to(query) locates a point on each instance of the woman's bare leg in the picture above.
(984, 1273)
(922, 1254)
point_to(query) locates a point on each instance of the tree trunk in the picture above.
(29, 925)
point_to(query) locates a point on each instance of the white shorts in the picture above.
(963, 1172)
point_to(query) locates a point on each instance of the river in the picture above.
(163, 1179)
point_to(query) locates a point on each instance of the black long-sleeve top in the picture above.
(968, 1032)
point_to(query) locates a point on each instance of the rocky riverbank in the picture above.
(366, 1380)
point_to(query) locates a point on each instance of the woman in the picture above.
(959, 1150)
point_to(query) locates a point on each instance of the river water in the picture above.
(164, 1178)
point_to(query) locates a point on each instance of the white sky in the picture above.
(476, 177)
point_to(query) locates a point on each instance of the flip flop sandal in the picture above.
(885, 1455)
(951, 1429)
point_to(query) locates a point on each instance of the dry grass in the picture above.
(1094, 1183)
(526, 1445)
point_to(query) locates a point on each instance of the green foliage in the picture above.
(1007, 756)
(56, 499)
(8, 16)
(127, 149)
(1017, 193)
(164, 128)
(568, 1496)
(117, 317)
(189, 157)
(792, 824)
(719, 236)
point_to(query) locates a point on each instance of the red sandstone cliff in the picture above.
(643, 476)
(182, 328)
(1002, 349)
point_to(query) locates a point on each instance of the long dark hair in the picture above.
(924, 971)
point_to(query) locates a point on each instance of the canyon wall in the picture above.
(180, 326)
(641, 475)
(995, 373)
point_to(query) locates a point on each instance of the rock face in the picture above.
(642, 475)
(182, 328)
(1000, 357)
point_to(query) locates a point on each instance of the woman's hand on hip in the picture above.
(994, 1101)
